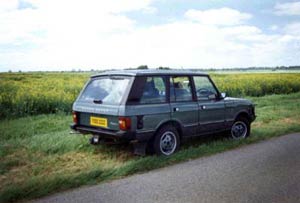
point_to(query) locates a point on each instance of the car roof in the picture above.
(147, 72)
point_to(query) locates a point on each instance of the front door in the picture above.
(184, 108)
(211, 108)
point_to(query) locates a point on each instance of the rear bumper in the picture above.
(252, 114)
(122, 135)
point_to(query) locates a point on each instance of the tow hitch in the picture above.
(95, 140)
(74, 132)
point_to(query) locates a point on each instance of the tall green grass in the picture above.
(24, 94)
(38, 156)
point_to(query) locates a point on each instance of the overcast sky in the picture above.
(96, 34)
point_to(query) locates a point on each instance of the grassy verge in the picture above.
(38, 156)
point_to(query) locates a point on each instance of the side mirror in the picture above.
(223, 94)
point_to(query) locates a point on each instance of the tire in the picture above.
(240, 129)
(166, 141)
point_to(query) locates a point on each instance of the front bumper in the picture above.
(252, 113)
(253, 117)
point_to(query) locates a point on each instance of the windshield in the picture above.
(105, 90)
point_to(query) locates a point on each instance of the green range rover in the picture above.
(155, 109)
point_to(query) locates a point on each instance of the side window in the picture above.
(204, 87)
(154, 91)
(180, 88)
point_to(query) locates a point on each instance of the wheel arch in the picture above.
(242, 114)
(174, 123)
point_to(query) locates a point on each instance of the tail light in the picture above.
(124, 123)
(74, 115)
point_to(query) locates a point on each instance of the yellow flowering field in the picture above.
(41, 92)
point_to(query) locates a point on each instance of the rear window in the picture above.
(105, 90)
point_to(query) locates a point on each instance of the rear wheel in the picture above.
(166, 141)
(240, 129)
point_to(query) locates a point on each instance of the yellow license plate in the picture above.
(99, 122)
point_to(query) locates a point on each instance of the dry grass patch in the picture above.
(72, 163)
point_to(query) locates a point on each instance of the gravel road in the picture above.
(268, 171)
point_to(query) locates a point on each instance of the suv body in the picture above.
(157, 108)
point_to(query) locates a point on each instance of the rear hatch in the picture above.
(98, 104)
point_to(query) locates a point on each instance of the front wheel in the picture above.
(240, 129)
(166, 141)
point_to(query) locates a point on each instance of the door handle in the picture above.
(203, 107)
(175, 109)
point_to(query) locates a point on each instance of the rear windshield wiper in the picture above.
(97, 101)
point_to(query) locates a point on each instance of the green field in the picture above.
(35, 93)
(38, 156)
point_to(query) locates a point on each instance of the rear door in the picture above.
(98, 104)
(147, 103)
(211, 108)
(184, 108)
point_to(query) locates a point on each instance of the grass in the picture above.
(38, 156)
